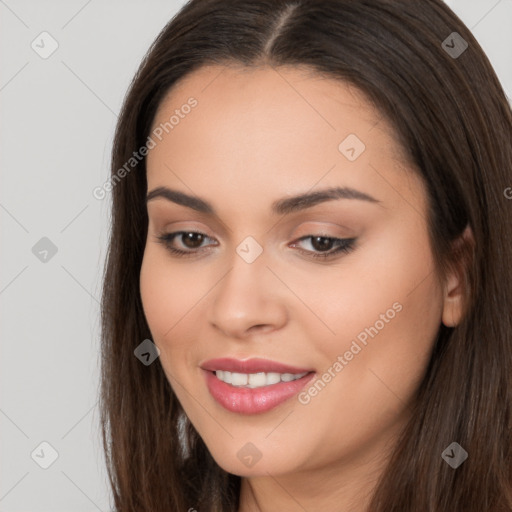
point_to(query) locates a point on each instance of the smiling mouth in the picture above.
(256, 380)
(254, 393)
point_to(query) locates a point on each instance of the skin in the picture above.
(257, 135)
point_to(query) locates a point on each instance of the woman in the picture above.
(308, 291)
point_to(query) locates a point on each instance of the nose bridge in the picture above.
(246, 295)
(246, 278)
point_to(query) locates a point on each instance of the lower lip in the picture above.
(253, 400)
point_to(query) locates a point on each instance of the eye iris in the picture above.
(196, 240)
(324, 245)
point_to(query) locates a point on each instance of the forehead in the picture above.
(268, 128)
(292, 92)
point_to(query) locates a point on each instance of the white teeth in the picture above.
(238, 379)
(256, 380)
(273, 378)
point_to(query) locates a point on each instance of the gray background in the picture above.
(58, 117)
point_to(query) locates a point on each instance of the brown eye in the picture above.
(192, 240)
(322, 243)
(326, 246)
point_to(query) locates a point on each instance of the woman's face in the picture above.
(363, 320)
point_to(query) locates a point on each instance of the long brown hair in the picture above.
(452, 118)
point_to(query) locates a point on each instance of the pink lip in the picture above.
(255, 400)
(252, 400)
(254, 365)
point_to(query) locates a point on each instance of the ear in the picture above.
(455, 289)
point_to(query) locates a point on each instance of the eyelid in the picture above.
(183, 227)
(323, 228)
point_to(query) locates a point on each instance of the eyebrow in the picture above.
(282, 206)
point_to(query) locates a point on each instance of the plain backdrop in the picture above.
(58, 113)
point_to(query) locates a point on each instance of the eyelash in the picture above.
(345, 245)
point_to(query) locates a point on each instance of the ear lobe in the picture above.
(456, 286)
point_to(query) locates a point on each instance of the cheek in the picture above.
(165, 299)
(386, 313)
(155, 294)
(167, 293)
(174, 300)
(165, 302)
(393, 269)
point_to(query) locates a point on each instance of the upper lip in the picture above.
(254, 365)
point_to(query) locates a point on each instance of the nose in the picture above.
(249, 299)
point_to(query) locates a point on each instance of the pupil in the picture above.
(324, 245)
(189, 237)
